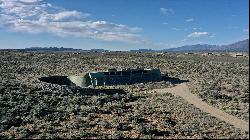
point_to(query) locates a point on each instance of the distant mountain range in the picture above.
(61, 49)
(50, 49)
(240, 46)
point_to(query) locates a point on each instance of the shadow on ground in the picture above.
(63, 80)
(92, 91)
(60, 80)
(174, 80)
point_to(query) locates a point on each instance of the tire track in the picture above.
(182, 90)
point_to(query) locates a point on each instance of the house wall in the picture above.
(125, 77)
(116, 77)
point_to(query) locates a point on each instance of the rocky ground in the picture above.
(34, 109)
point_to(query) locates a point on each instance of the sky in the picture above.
(121, 24)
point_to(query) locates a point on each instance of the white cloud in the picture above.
(198, 34)
(189, 20)
(30, 1)
(166, 11)
(68, 14)
(36, 16)
(165, 23)
(111, 36)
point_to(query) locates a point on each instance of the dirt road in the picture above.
(183, 91)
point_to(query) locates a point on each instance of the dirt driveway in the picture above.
(182, 90)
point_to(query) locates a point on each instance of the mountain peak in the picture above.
(240, 46)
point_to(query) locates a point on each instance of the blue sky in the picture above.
(121, 24)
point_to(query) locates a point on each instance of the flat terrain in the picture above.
(34, 109)
(183, 91)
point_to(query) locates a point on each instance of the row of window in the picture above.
(125, 72)
(111, 81)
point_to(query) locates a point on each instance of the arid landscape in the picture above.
(124, 69)
(34, 109)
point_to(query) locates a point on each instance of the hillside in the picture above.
(240, 46)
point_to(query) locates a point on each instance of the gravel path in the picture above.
(183, 91)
